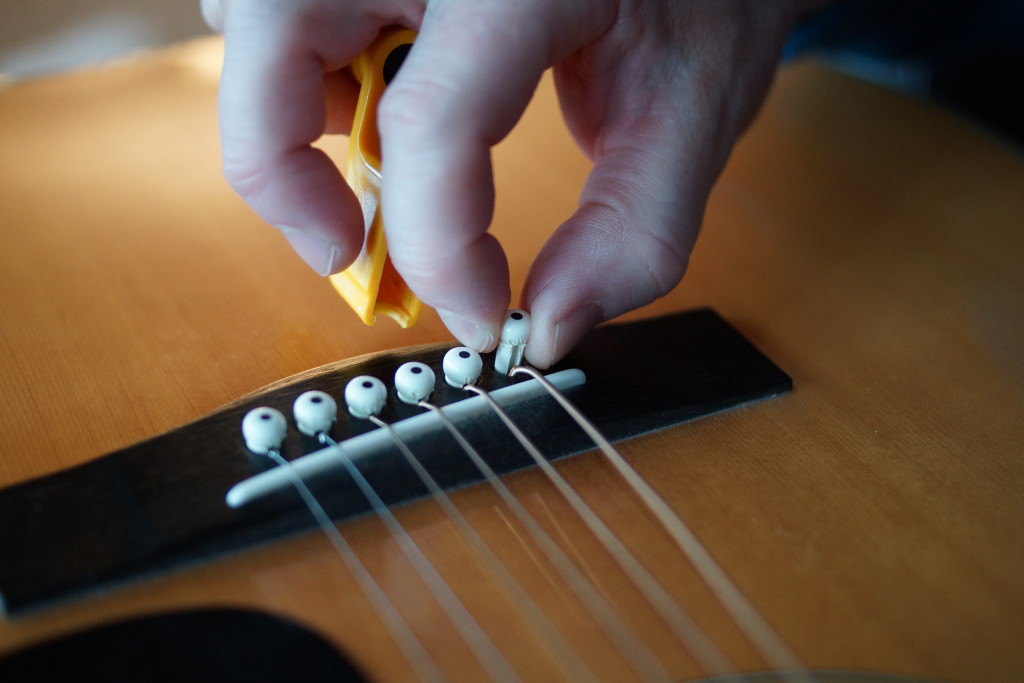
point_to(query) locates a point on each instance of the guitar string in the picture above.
(757, 630)
(561, 651)
(571, 546)
(636, 653)
(617, 460)
(683, 627)
(539, 566)
(410, 646)
(483, 649)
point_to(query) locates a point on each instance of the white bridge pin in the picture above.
(461, 366)
(365, 396)
(264, 430)
(315, 412)
(414, 382)
(514, 335)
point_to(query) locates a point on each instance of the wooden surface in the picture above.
(868, 243)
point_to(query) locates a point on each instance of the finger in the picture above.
(628, 243)
(213, 14)
(273, 105)
(463, 86)
(659, 117)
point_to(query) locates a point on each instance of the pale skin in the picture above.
(655, 93)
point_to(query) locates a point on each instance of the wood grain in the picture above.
(867, 242)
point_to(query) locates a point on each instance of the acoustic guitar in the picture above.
(864, 242)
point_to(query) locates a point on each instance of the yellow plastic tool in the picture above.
(371, 285)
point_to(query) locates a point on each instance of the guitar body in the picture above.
(867, 244)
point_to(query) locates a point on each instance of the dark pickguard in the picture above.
(160, 503)
(203, 645)
(241, 645)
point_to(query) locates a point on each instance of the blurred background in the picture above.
(38, 37)
(966, 54)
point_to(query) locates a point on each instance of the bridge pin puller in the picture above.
(514, 334)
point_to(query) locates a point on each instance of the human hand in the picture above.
(655, 92)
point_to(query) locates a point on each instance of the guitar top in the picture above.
(866, 243)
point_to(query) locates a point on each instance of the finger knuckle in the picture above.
(664, 261)
(247, 174)
(418, 107)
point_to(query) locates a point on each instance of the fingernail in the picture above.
(572, 327)
(321, 256)
(469, 333)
